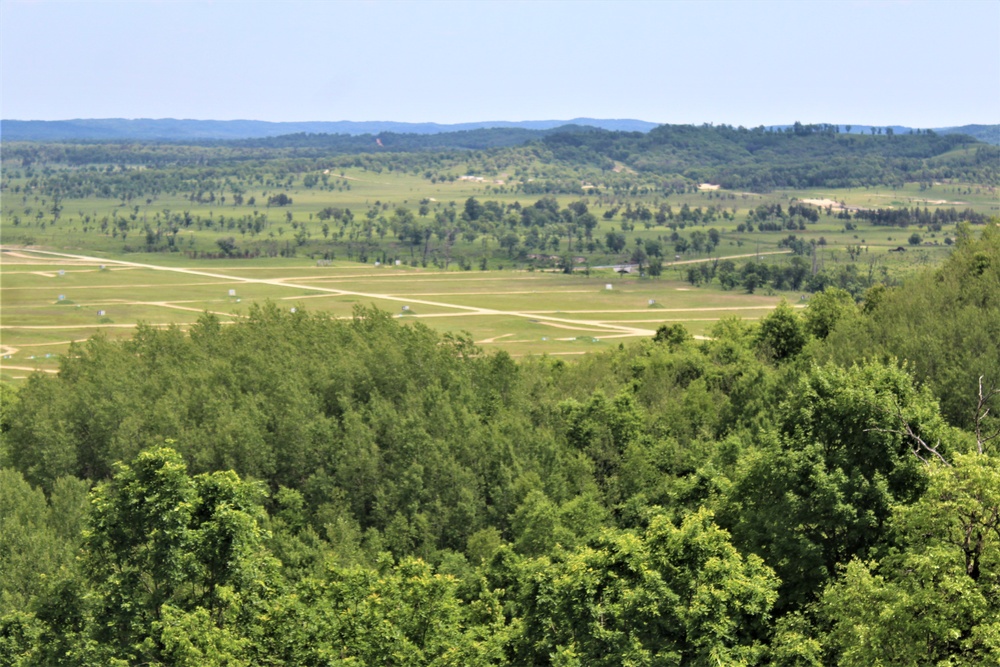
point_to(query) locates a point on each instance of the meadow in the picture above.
(24, 216)
(460, 280)
(51, 300)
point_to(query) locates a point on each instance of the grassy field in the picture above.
(107, 290)
(523, 312)
(27, 218)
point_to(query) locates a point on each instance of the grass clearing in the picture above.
(525, 311)
(522, 312)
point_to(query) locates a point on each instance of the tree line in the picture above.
(737, 158)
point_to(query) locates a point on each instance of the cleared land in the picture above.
(523, 312)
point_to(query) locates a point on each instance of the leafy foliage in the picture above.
(945, 324)
(932, 602)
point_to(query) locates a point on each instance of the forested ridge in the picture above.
(801, 156)
(756, 159)
(171, 129)
(175, 130)
(818, 488)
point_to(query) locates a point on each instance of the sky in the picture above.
(890, 62)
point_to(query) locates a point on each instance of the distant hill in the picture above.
(170, 129)
(477, 139)
(986, 133)
(798, 156)
(736, 158)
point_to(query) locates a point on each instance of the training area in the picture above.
(51, 299)
(560, 246)
(530, 290)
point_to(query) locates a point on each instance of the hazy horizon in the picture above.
(915, 64)
(481, 122)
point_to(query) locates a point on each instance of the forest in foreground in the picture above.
(814, 489)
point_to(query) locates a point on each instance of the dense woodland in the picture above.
(169, 129)
(757, 159)
(801, 156)
(814, 489)
(179, 131)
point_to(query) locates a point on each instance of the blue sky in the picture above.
(921, 64)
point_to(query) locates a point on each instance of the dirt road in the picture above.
(471, 310)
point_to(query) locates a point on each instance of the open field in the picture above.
(91, 224)
(523, 312)
(89, 251)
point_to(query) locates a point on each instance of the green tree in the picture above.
(473, 209)
(400, 614)
(933, 601)
(8, 401)
(37, 537)
(588, 221)
(538, 527)
(160, 539)
(673, 335)
(826, 309)
(728, 277)
(603, 430)
(510, 241)
(615, 241)
(944, 323)
(823, 486)
(668, 595)
(781, 334)
(753, 275)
